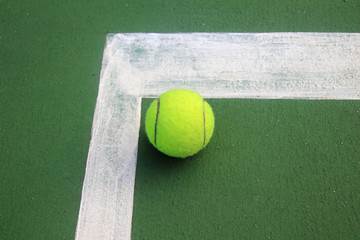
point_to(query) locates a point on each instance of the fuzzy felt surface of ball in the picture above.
(179, 123)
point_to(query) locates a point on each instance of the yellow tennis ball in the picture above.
(179, 123)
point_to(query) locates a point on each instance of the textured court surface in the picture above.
(275, 169)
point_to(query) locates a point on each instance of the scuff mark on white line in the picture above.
(217, 65)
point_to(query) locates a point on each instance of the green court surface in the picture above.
(275, 169)
(278, 169)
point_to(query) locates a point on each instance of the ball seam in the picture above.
(204, 123)
(156, 120)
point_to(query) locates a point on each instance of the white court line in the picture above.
(216, 65)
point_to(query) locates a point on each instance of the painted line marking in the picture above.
(216, 65)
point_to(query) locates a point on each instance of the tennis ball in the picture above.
(179, 123)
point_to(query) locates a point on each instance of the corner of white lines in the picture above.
(217, 65)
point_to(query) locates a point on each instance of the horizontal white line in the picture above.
(217, 65)
(242, 65)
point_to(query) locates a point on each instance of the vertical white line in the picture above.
(107, 197)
